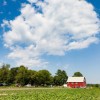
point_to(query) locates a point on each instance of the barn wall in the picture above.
(76, 84)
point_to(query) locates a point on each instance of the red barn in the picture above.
(76, 82)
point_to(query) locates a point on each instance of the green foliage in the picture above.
(22, 76)
(42, 77)
(12, 75)
(31, 76)
(49, 94)
(97, 85)
(77, 74)
(93, 85)
(60, 78)
(4, 73)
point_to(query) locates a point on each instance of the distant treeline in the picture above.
(22, 76)
(93, 85)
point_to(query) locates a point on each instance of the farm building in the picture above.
(76, 82)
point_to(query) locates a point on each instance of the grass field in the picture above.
(49, 94)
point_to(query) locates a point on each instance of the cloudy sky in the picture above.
(52, 34)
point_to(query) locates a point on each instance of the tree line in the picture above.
(22, 76)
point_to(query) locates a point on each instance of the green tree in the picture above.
(4, 73)
(22, 76)
(43, 77)
(97, 85)
(60, 78)
(77, 74)
(12, 75)
(31, 76)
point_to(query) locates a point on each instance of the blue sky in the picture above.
(44, 34)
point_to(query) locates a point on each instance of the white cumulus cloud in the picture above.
(52, 27)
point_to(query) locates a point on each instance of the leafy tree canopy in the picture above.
(77, 74)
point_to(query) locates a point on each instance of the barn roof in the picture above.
(76, 79)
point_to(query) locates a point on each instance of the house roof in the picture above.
(76, 79)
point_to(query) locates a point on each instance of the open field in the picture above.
(49, 94)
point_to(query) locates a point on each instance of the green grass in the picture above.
(49, 94)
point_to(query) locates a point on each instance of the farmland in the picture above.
(49, 94)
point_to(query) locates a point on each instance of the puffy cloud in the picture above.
(28, 56)
(82, 44)
(51, 27)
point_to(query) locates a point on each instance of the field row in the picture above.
(49, 94)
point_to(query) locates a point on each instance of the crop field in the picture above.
(49, 94)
